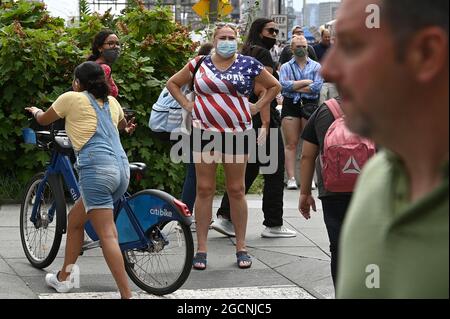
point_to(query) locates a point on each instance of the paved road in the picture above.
(283, 268)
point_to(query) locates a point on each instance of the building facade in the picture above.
(317, 14)
(183, 12)
(311, 15)
(265, 8)
(327, 12)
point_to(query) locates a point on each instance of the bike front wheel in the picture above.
(41, 234)
(164, 267)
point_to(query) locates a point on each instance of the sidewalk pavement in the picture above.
(282, 268)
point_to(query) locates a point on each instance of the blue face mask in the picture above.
(226, 48)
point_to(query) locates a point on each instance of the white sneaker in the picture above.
(278, 232)
(223, 226)
(292, 183)
(60, 286)
(193, 227)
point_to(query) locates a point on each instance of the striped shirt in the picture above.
(310, 72)
(221, 103)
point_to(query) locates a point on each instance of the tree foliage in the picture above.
(38, 54)
(83, 8)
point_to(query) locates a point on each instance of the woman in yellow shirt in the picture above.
(92, 120)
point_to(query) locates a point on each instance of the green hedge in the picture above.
(38, 54)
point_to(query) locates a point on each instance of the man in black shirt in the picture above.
(334, 204)
(322, 48)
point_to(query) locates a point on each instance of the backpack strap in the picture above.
(197, 66)
(293, 72)
(335, 108)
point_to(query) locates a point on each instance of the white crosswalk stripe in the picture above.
(273, 292)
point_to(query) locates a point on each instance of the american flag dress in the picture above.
(221, 103)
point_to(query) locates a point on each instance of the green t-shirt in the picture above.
(391, 247)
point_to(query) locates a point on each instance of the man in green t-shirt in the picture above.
(390, 63)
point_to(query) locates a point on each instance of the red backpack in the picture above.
(344, 153)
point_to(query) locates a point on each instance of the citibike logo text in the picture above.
(74, 194)
(161, 212)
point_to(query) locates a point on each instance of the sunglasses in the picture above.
(273, 30)
(220, 25)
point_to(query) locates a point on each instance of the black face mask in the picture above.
(268, 42)
(111, 55)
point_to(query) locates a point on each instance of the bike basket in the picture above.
(29, 136)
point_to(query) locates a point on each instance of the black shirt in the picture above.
(321, 50)
(263, 55)
(314, 133)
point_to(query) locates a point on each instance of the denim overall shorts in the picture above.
(102, 164)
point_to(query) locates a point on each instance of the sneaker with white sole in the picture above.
(60, 286)
(193, 227)
(278, 232)
(223, 226)
(292, 183)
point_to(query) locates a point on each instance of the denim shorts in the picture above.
(103, 179)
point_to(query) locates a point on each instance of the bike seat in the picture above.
(136, 167)
(63, 142)
(43, 137)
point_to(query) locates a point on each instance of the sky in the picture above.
(62, 8)
(298, 4)
(65, 8)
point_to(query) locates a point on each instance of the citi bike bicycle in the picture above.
(153, 227)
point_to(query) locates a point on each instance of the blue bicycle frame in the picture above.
(59, 164)
(147, 210)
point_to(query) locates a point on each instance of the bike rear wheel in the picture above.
(163, 268)
(41, 240)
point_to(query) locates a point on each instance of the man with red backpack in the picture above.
(340, 155)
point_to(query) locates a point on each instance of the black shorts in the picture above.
(301, 109)
(227, 143)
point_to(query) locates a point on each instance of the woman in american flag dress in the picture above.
(221, 112)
